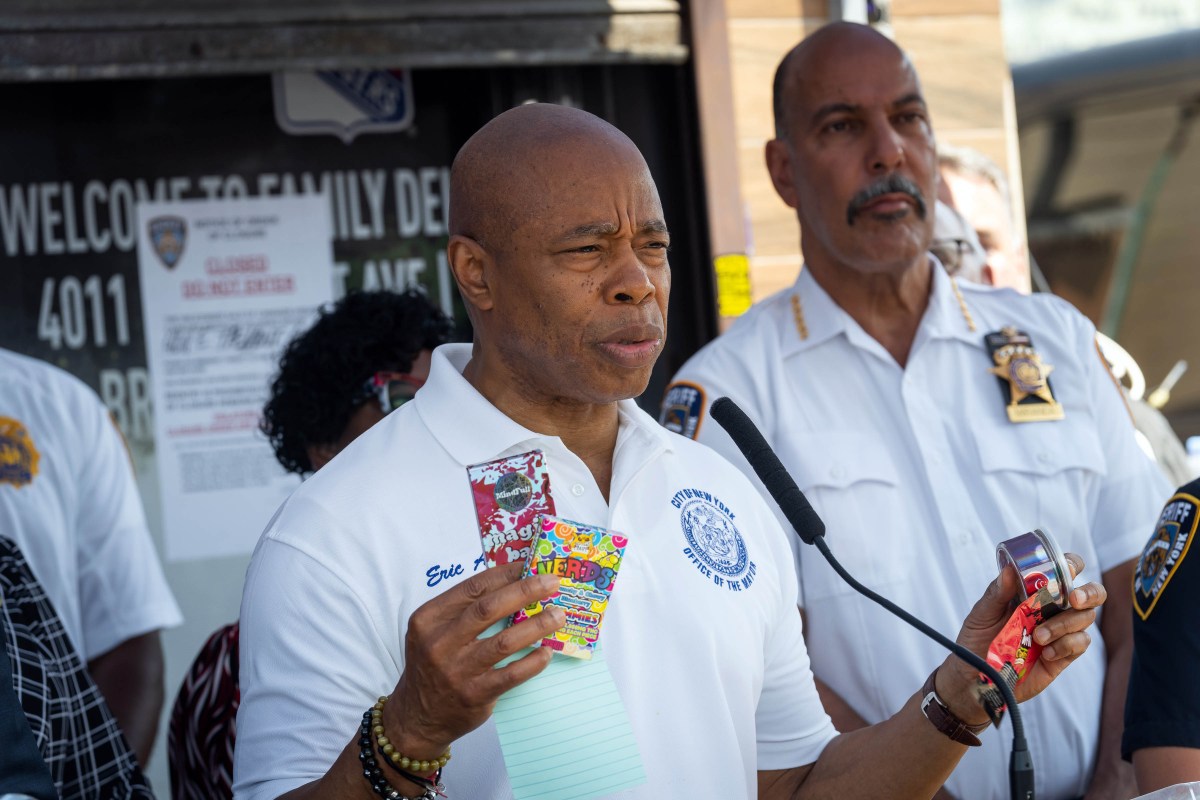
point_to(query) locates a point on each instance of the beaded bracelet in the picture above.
(400, 762)
(374, 775)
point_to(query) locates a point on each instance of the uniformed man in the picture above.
(368, 582)
(1162, 711)
(926, 419)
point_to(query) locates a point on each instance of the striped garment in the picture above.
(201, 733)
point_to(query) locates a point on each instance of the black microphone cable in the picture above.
(811, 529)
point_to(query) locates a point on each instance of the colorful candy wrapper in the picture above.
(586, 559)
(510, 494)
(1013, 652)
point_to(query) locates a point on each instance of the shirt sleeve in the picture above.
(715, 372)
(311, 663)
(1162, 708)
(1134, 487)
(123, 592)
(792, 726)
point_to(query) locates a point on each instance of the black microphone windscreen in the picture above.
(770, 470)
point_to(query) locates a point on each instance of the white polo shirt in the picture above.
(918, 474)
(69, 500)
(716, 682)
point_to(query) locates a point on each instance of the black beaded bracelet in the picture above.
(375, 776)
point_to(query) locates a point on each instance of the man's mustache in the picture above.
(892, 184)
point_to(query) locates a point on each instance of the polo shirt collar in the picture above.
(473, 430)
(823, 319)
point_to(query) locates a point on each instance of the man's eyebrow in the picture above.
(591, 229)
(834, 108)
(849, 108)
(610, 228)
(910, 99)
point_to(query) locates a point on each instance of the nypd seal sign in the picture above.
(714, 545)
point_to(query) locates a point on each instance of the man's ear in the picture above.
(988, 276)
(320, 454)
(779, 167)
(473, 269)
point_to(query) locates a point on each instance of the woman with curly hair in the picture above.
(365, 356)
(368, 346)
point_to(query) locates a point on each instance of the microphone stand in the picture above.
(811, 530)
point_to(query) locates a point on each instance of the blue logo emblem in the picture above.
(1165, 551)
(714, 543)
(168, 235)
(682, 408)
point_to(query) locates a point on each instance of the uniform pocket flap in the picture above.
(838, 459)
(1040, 448)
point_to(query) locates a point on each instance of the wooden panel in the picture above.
(757, 47)
(922, 8)
(812, 9)
(771, 275)
(774, 229)
(962, 67)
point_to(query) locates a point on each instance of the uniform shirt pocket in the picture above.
(852, 482)
(1049, 473)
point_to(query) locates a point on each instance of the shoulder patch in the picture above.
(683, 408)
(1164, 552)
(18, 456)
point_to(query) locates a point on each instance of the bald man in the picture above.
(916, 414)
(369, 581)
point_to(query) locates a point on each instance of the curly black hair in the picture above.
(320, 372)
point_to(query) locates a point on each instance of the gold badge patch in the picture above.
(1024, 377)
(18, 456)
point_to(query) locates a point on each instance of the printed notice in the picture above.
(226, 284)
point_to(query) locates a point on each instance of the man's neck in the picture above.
(887, 305)
(588, 430)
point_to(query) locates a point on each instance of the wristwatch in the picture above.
(943, 718)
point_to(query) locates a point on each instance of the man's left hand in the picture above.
(1064, 638)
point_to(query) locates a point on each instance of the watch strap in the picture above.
(936, 711)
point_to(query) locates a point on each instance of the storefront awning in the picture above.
(72, 40)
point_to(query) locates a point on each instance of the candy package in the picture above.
(510, 494)
(586, 559)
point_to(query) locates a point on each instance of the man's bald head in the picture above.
(807, 58)
(559, 250)
(855, 152)
(497, 178)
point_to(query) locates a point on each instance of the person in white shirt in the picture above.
(69, 500)
(368, 581)
(919, 446)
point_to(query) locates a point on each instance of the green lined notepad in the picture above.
(565, 734)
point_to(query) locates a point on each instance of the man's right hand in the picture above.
(450, 682)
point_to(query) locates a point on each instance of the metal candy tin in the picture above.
(1040, 563)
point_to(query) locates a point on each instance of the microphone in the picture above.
(811, 530)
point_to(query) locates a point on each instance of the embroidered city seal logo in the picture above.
(1164, 552)
(18, 456)
(1024, 377)
(168, 235)
(714, 545)
(682, 409)
(513, 491)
